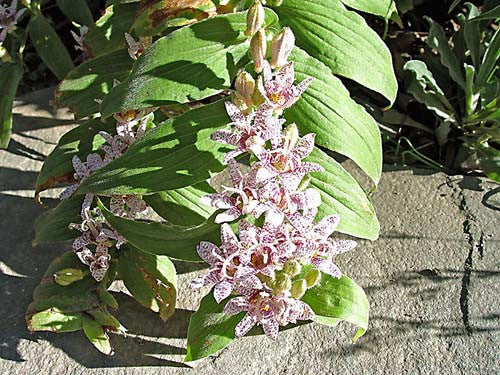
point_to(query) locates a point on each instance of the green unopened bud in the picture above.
(255, 18)
(68, 275)
(281, 47)
(282, 283)
(245, 87)
(299, 287)
(4, 55)
(291, 136)
(313, 277)
(258, 46)
(107, 298)
(292, 268)
(304, 183)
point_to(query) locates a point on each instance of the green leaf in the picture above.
(168, 71)
(160, 15)
(79, 141)
(472, 35)
(342, 195)
(76, 297)
(151, 279)
(109, 31)
(174, 241)
(97, 335)
(420, 82)
(471, 97)
(182, 206)
(175, 154)
(52, 225)
(10, 76)
(93, 80)
(49, 47)
(383, 8)
(210, 329)
(54, 320)
(341, 299)
(343, 41)
(490, 59)
(489, 15)
(77, 11)
(340, 124)
(438, 40)
(489, 160)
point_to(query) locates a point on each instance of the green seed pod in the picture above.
(68, 275)
(313, 277)
(299, 287)
(258, 47)
(255, 18)
(292, 268)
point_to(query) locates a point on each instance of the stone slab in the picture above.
(433, 281)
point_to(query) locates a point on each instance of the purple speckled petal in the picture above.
(222, 290)
(236, 305)
(245, 325)
(271, 328)
(327, 225)
(209, 253)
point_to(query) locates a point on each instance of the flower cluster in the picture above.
(280, 251)
(9, 16)
(92, 247)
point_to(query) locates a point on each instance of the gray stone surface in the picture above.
(433, 280)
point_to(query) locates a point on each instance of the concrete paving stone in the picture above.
(432, 278)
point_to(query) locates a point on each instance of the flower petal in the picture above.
(245, 325)
(222, 290)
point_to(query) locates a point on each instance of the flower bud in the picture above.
(291, 136)
(255, 18)
(258, 46)
(292, 268)
(245, 87)
(313, 277)
(281, 46)
(68, 275)
(282, 283)
(299, 287)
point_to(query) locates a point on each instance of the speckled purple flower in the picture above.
(9, 15)
(267, 310)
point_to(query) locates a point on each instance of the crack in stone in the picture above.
(472, 231)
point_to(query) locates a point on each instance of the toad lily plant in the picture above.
(210, 141)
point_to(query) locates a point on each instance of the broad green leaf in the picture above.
(77, 11)
(472, 35)
(79, 141)
(54, 320)
(182, 206)
(91, 81)
(489, 160)
(97, 335)
(76, 297)
(151, 279)
(342, 195)
(160, 15)
(10, 76)
(52, 225)
(341, 299)
(420, 82)
(210, 329)
(109, 31)
(168, 71)
(490, 59)
(383, 8)
(438, 40)
(340, 124)
(174, 241)
(49, 47)
(175, 154)
(343, 41)
(489, 15)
